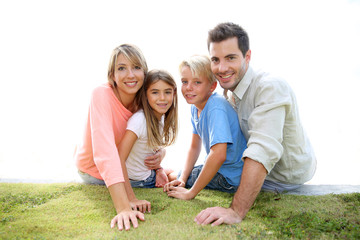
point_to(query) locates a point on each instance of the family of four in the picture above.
(252, 135)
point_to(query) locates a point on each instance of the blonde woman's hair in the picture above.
(199, 65)
(156, 138)
(134, 55)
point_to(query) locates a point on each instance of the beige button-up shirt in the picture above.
(269, 118)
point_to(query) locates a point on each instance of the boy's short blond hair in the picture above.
(199, 65)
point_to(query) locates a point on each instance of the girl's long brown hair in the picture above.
(156, 138)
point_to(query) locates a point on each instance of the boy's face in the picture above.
(228, 63)
(196, 90)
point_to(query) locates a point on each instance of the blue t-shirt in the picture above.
(218, 123)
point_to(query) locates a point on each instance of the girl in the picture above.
(152, 127)
(112, 104)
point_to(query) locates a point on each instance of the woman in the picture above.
(112, 104)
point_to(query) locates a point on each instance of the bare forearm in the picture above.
(215, 159)
(119, 197)
(191, 159)
(192, 156)
(129, 191)
(252, 179)
(126, 145)
(207, 173)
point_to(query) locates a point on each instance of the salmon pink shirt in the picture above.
(98, 153)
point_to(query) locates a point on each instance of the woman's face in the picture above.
(128, 78)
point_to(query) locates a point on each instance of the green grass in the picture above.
(76, 211)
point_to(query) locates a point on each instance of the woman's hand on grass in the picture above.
(125, 218)
(180, 193)
(217, 216)
(140, 205)
(161, 178)
(175, 183)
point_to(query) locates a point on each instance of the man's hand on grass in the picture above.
(141, 205)
(124, 218)
(217, 216)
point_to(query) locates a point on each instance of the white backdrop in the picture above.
(53, 53)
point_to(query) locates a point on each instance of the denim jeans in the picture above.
(217, 183)
(147, 183)
(270, 186)
(88, 179)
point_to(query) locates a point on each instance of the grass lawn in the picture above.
(76, 211)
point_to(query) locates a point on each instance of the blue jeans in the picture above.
(147, 183)
(270, 186)
(217, 183)
(88, 179)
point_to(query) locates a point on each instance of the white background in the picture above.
(53, 53)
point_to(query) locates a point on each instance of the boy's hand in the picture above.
(175, 183)
(124, 218)
(180, 193)
(141, 205)
(161, 178)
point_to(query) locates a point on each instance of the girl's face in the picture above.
(160, 96)
(128, 78)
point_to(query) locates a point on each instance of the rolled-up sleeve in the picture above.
(266, 124)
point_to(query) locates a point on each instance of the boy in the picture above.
(215, 124)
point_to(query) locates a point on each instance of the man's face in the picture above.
(228, 63)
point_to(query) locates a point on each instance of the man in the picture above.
(279, 156)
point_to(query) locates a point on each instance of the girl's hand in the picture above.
(124, 218)
(180, 193)
(161, 178)
(154, 161)
(140, 205)
(175, 183)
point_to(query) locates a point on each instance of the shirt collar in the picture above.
(244, 83)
